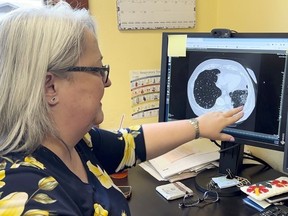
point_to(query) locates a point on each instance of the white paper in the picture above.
(187, 157)
(168, 169)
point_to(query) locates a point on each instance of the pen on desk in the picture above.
(121, 121)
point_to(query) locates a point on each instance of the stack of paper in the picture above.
(183, 162)
(179, 176)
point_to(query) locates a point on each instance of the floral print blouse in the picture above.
(41, 184)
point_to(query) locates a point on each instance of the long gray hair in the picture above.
(32, 42)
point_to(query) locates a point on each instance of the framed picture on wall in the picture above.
(151, 14)
(73, 3)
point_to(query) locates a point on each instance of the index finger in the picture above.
(233, 111)
(234, 115)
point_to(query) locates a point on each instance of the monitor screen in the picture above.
(217, 74)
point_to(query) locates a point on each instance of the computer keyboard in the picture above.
(274, 211)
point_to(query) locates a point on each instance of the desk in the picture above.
(145, 201)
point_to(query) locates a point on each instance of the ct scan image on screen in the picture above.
(222, 84)
(219, 81)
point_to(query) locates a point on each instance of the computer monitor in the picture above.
(216, 72)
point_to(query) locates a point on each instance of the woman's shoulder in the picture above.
(18, 169)
(25, 180)
(16, 160)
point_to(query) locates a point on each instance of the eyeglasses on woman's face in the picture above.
(190, 200)
(104, 71)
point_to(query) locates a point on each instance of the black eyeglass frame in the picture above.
(205, 198)
(104, 71)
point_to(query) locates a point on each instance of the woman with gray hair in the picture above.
(52, 80)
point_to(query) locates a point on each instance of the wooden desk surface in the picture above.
(145, 201)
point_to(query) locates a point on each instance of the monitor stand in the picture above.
(231, 157)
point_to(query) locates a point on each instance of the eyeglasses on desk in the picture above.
(190, 200)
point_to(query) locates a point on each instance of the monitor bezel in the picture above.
(163, 80)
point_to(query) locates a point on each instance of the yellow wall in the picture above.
(141, 50)
(255, 16)
(132, 50)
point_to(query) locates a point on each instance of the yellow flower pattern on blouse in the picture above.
(87, 139)
(129, 152)
(31, 161)
(2, 176)
(99, 210)
(13, 204)
(28, 161)
(102, 176)
(48, 183)
(37, 212)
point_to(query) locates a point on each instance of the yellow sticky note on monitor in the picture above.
(177, 45)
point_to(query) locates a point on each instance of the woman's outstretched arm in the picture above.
(165, 136)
